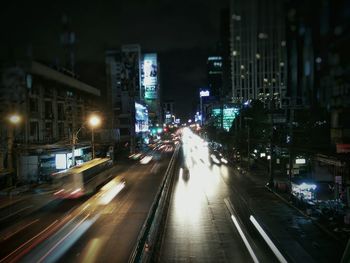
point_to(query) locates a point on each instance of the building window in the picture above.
(61, 129)
(48, 110)
(33, 105)
(60, 111)
(34, 130)
(48, 131)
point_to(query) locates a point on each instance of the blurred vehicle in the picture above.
(82, 179)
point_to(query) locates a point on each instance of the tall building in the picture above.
(168, 111)
(318, 60)
(258, 51)
(133, 91)
(123, 88)
(215, 76)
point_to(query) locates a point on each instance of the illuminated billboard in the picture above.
(141, 118)
(149, 76)
(230, 114)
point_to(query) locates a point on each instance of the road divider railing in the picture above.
(149, 234)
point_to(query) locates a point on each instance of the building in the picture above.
(151, 87)
(133, 92)
(258, 51)
(52, 107)
(318, 59)
(215, 76)
(168, 111)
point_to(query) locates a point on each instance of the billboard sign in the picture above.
(149, 76)
(141, 118)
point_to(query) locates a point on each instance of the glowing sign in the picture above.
(141, 118)
(300, 161)
(204, 93)
(150, 76)
(61, 161)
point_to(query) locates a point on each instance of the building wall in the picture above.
(258, 50)
(50, 110)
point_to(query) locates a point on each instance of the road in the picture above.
(100, 228)
(217, 214)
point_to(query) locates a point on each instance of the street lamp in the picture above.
(14, 119)
(94, 122)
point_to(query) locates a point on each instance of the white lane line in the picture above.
(251, 252)
(240, 231)
(268, 240)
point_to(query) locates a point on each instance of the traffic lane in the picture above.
(301, 240)
(20, 233)
(199, 227)
(113, 236)
(42, 220)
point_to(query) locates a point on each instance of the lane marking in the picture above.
(21, 246)
(268, 240)
(251, 252)
(240, 231)
(20, 229)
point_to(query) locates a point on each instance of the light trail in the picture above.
(28, 241)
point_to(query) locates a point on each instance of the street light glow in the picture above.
(14, 118)
(94, 121)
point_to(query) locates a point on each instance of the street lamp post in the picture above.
(94, 121)
(13, 119)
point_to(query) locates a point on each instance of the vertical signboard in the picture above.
(149, 77)
(141, 118)
(129, 74)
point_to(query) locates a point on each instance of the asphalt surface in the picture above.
(199, 227)
(92, 228)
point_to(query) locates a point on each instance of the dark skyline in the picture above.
(182, 32)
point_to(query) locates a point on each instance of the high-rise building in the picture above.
(258, 51)
(168, 111)
(318, 62)
(123, 88)
(215, 76)
(133, 92)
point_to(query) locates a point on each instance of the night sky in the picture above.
(182, 32)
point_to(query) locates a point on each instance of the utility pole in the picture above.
(248, 140)
(290, 168)
(271, 173)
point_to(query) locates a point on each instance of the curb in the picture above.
(305, 215)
